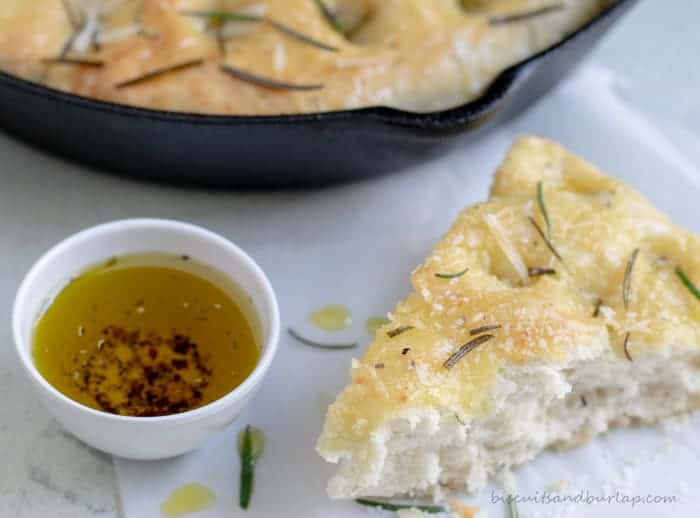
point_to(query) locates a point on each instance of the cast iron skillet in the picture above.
(277, 151)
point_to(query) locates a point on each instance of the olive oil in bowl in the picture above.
(146, 335)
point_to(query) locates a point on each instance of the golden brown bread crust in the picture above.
(411, 54)
(596, 224)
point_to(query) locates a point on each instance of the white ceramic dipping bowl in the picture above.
(143, 437)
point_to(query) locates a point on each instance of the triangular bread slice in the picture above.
(600, 337)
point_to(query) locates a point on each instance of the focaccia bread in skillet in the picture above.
(513, 341)
(413, 54)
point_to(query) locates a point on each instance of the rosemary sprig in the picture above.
(292, 33)
(466, 349)
(266, 82)
(319, 345)
(218, 18)
(538, 272)
(483, 329)
(525, 15)
(251, 443)
(71, 61)
(687, 282)
(628, 278)
(153, 74)
(512, 507)
(546, 240)
(330, 16)
(451, 275)
(399, 330)
(543, 209)
(625, 347)
(387, 506)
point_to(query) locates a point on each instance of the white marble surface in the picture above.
(43, 472)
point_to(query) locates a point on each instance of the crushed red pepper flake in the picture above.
(158, 375)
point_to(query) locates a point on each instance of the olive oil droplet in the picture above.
(187, 499)
(333, 317)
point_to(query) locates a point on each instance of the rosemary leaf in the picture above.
(266, 82)
(483, 329)
(256, 438)
(543, 209)
(512, 507)
(546, 241)
(687, 282)
(159, 72)
(71, 61)
(538, 272)
(525, 15)
(451, 275)
(399, 330)
(628, 278)
(330, 16)
(77, 22)
(68, 45)
(319, 345)
(251, 443)
(432, 509)
(218, 17)
(466, 349)
(624, 346)
(303, 38)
